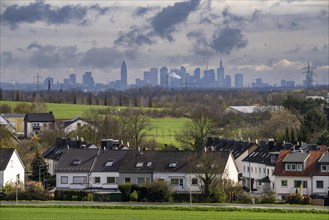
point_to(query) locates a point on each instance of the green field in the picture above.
(162, 129)
(95, 213)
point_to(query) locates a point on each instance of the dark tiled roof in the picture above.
(5, 155)
(324, 158)
(236, 147)
(85, 158)
(105, 156)
(39, 117)
(296, 157)
(71, 121)
(261, 157)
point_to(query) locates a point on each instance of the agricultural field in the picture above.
(117, 213)
(162, 129)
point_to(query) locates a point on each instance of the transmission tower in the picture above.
(310, 74)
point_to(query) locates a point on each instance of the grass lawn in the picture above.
(78, 213)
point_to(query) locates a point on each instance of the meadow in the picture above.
(133, 213)
(162, 129)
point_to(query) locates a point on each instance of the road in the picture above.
(73, 203)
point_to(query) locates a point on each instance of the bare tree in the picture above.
(133, 126)
(195, 131)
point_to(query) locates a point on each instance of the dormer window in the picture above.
(172, 164)
(139, 164)
(293, 167)
(324, 168)
(109, 163)
(76, 162)
(149, 164)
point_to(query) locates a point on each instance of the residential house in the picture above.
(299, 171)
(12, 169)
(73, 171)
(17, 121)
(73, 124)
(36, 123)
(258, 168)
(239, 149)
(103, 170)
(6, 124)
(251, 109)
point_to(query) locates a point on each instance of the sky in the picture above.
(272, 40)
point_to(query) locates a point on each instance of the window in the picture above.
(259, 170)
(97, 180)
(127, 180)
(109, 163)
(293, 167)
(255, 169)
(248, 169)
(244, 169)
(64, 180)
(149, 164)
(11, 163)
(110, 179)
(264, 170)
(268, 172)
(251, 169)
(287, 166)
(194, 181)
(174, 181)
(140, 180)
(139, 164)
(297, 183)
(299, 167)
(79, 124)
(284, 183)
(324, 168)
(79, 179)
(76, 162)
(172, 164)
(319, 184)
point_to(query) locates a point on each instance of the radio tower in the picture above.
(310, 74)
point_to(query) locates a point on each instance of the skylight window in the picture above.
(172, 164)
(139, 164)
(149, 164)
(109, 163)
(76, 162)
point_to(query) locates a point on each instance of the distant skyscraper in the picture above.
(49, 81)
(220, 75)
(88, 80)
(197, 74)
(73, 80)
(124, 81)
(154, 76)
(164, 77)
(209, 75)
(259, 82)
(228, 81)
(238, 80)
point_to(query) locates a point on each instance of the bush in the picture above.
(294, 198)
(307, 200)
(158, 191)
(269, 198)
(127, 188)
(244, 197)
(133, 196)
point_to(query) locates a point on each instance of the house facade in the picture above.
(12, 169)
(300, 171)
(100, 170)
(36, 123)
(73, 124)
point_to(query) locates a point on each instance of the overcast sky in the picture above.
(260, 38)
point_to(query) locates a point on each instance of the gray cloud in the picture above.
(232, 19)
(102, 57)
(15, 15)
(134, 38)
(201, 46)
(140, 11)
(50, 56)
(6, 59)
(227, 40)
(164, 22)
(290, 25)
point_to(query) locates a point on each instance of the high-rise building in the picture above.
(259, 82)
(238, 80)
(228, 81)
(197, 74)
(164, 77)
(48, 83)
(124, 81)
(154, 76)
(209, 75)
(220, 75)
(73, 79)
(88, 81)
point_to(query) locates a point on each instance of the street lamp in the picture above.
(17, 179)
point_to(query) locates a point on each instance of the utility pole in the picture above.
(310, 74)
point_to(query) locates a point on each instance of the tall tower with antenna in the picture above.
(310, 74)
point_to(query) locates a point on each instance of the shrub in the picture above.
(158, 191)
(244, 197)
(307, 200)
(133, 196)
(269, 198)
(126, 189)
(294, 198)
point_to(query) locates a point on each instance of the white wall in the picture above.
(290, 187)
(74, 126)
(103, 183)
(256, 175)
(70, 184)
(325, 188)
(232, 169)
(14, 167)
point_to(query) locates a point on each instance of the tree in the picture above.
(39, 168)
(315, 124)
(6, 139)
(195, 131)
(5, 108)
(209, 170)
(27, 150)
(133, 126)
(23, 108)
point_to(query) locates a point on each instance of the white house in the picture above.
(73, 124)
(12, 169)
(36, 123)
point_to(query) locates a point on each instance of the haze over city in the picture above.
(272, 40)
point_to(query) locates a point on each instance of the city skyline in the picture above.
(272, 40)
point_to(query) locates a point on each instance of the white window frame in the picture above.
(319, 181)
(79, 179)
(64, 178)
(96, 178)
(284, 185)
(112, 178)
(287, 167)
(299, 167)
